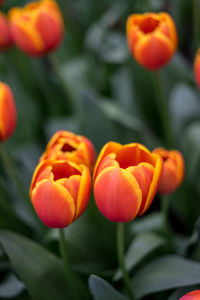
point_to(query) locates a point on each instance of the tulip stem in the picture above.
(120, 253)
(196, 24)
(68, 270)
(163, 110)
(165, 202)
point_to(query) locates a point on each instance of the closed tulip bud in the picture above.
(125, 180)
(8, 115)
(5, 36)
(194, 295)
(173, 170)
(152, 39)
(197, 68)
(67, 145)
(38, 27)
(60, 192)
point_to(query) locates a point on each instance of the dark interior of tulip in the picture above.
(63, 170)
(67, 148)
(148, 24)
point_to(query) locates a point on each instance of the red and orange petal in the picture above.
(5, 36)
(117, 194)
(197, 68)
(152, 39)
(53, 204)
(8, 115)
(38, 27)
(194, 295)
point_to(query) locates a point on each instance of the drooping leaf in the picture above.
(102, 290)
(11, 287)
(141, 246)
(165, 273)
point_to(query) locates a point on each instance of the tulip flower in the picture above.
(173, 170)
(197, 68)
(194, 295)
(125, 180)
(60, 192)
(152, 39)
(1, 2)
(38, 27)
(66, 145)
(8, 115)
(5, 36)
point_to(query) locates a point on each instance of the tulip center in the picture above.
(67, 148)
(63, 171)
(148, 24)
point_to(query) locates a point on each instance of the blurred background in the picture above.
(92, 86)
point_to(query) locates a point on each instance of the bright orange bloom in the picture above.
(38, 27)
(67, 145)
(8, 115)
(5, 36)
(194, 295)
(197, 68)
(173, 170)
(60, 192)
(125, 180)
(152, 39)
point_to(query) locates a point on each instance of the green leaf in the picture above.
(41, 271)
(149, 222)
(102, 290)
(11, 287)
(165, 273)
(141, 246)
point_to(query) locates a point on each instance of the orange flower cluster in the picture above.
(61, 183)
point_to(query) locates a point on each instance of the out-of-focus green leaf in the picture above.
(141, 246)
(54, 124)
(102, 290)
(191, 148)
(11, 287)
(41, 271)
(165, 273)
(185, 107)
(149, 222)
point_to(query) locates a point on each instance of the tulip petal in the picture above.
(53, 204)
(117, 194)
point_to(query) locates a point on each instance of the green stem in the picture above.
(68, 270)
(165, 202)
(12, 173)
(120, 253)
(163, 110)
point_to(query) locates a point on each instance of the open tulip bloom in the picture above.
(194, 295)
(60, 192)
(125, 180)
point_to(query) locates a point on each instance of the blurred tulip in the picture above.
(5, 36)
(60, 192)
(125, 180)
(194, 295)
(67, 145)
(1, 2)
(38, 27)
(152, 39)
(173, 170)
(197, 68)
(8, 115)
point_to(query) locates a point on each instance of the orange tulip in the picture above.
(38, 27)
(5, 36)
(152, 39)
(197, 68)
(67, 145)
(125, 180)
(8, 115)
(173, 170)
(194, 295)
(60, 192)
